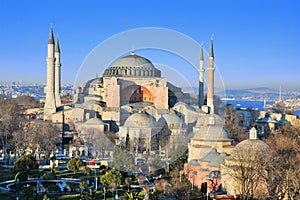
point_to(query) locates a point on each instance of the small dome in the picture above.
(214, 174)
(132, 66)
(194, 162)
(140, 120)
(204, 119)
(214, 158)
(246, 148)
(94, 121)
(256, 145)
(212, 133)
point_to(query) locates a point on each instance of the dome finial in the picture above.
(132, 52)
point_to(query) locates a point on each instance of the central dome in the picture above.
(132, 66)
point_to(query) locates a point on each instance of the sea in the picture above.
(254, 104)
(249, 104)
(297, 112)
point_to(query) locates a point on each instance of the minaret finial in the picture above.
(51, 38)
(211, 52)
(132, 52)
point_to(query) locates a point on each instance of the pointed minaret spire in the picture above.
(51, 38)
(201, 78)
(211, 52)
(57, 48)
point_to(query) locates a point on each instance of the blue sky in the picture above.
(256, 42)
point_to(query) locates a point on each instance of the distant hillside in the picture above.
(258, 93)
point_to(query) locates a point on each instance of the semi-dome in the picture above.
(214, 158)
(94, 81)
(140, 120)
(132, 66)
(172, 120)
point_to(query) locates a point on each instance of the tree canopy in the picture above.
(111, 178)
(25, 162)
(75, 164)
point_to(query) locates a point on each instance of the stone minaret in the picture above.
(201, 79)
(210, 85)
(57, 74)
(50, 104)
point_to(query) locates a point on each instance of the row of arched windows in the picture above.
(133, 72)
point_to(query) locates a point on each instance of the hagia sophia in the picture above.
(144, 110)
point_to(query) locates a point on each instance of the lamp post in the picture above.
(117, 197)
(18, 187)
(63, 131)
(112, 191)
(193, 184)
(95, 178)
(180, 173)
(104, 190)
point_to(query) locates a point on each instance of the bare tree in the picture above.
(244, 170)
(234, 126)
(10, 117)
(20, 137)
(283, 174)
(42, 137)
